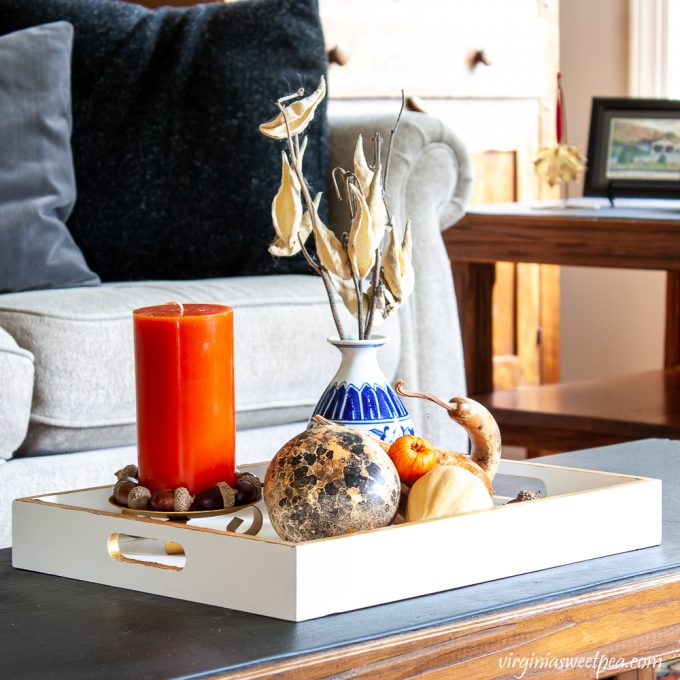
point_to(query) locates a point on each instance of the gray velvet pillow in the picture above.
(37, 182)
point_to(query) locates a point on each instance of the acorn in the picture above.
(208, 499)
(129, 472)
(183, 499)
(122, 490)
(228, 495)
(163, 501)
(138, 498)
(525, 495)
(246, 492)
(250, 477)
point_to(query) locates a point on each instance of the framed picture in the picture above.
(634, 148)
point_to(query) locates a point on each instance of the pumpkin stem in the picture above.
(323, 421)
(399, 389)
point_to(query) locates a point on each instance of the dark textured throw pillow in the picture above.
(174, 179)
(37, 185)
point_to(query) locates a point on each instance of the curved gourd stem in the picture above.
(477, 422)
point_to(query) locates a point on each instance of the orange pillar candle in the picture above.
(184, 370)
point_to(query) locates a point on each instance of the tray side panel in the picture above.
(562, 480)
(369, 569)
(223, 570)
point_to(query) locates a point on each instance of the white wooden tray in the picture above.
(587, 514)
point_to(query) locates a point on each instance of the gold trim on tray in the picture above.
(233, 526)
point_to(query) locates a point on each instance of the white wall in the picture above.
(612, 320)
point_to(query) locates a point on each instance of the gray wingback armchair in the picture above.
(66, 356)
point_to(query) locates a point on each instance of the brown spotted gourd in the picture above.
(329, 481)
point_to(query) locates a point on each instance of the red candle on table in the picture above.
(184, 370)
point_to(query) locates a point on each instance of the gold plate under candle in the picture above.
(191, 514)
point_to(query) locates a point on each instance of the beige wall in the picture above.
(612, 320)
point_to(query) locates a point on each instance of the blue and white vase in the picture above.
(360, 396)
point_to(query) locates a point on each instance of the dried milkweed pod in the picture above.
(298, 115)
(287, 205)
(397, 265)
(348, 294)
(361, 245)
(361, 169)
(376, 207)
(281, 249)
(329, 250)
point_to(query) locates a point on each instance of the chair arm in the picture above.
(16, 393)
(429, 182)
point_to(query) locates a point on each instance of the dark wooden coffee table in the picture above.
(620, 607)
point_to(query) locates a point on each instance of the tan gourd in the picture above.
(477, 422)
(444, 491)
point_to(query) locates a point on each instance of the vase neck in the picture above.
(375, 341)
(359, 361)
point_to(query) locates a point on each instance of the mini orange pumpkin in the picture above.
(413, 457)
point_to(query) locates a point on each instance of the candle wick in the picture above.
(180, 305)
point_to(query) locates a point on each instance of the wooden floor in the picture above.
(570, 416)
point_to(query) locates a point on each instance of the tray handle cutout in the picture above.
(149, 552)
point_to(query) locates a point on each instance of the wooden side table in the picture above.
(636, 238)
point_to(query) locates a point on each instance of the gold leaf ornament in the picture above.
(287, 206)
(560, 163)
(361, 245)
(398, 265)
(299, 114)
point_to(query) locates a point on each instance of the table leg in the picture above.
(672, 344)
(636, 674)
(474, 288)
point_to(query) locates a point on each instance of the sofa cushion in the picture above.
(37, 184)
(16, 390)
(82, 342)
(174, 179)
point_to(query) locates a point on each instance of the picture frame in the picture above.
(633, 148)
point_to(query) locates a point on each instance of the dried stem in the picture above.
(308, 257)
(351, 178)
(330, 291)
(374, 293)
(390, 145)
(288, 97)
(360, 306)
(338, 193)
(312, 212)
(377, 149)
(563, 110)
(357, 289)
(399, 389)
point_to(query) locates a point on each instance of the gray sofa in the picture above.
(67, 412)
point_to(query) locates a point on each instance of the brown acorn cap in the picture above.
(251, 478)
(128, 472)
(525, 495)
(183, 499)
(228, 494)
